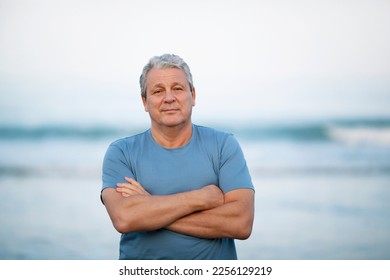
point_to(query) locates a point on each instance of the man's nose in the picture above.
(169, 96)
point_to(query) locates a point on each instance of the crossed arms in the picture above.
(203, 213)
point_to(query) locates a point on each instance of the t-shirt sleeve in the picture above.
(233, 170)
(115, 167)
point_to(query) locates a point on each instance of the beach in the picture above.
(316, 198)
(320, 217)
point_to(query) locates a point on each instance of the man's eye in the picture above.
(157, 91)
(178, 88)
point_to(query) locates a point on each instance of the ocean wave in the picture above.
(19, 132)
(85, 172)
(376, 132)
(360, 135)
(46, 171)
(354, 131)
(341, 170)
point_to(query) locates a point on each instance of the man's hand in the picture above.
(212, 196)
(132, 187)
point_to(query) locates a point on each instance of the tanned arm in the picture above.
(131, 208)
(233, 218)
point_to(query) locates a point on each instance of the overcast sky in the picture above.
(74, 61)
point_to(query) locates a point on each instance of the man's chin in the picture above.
(174, 123)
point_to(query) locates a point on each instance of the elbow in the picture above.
(121, 227)
(244, 229)
(125, 225)
(122, 224)
(244, 234)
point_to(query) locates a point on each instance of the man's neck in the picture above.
(172, 137)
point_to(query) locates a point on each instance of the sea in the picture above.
(322, 190)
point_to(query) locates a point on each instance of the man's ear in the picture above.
(193, 94)
(144, 103)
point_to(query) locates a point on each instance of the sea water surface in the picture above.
(322, 190)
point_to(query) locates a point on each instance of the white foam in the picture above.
(361, 135)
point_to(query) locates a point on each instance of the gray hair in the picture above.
(163, 62)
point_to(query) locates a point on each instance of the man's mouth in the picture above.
(169, 110)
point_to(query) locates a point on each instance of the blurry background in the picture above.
(304, 85)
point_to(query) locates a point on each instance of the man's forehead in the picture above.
(165, 75)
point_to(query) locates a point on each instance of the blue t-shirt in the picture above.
(210, 157)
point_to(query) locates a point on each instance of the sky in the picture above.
(78, 62)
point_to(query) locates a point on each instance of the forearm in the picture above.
(234, 219)
(136, 212)
(146, 213)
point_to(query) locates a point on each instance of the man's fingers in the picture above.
(131, 188)
(126, 192)
(133, 182)
(125, 187)
(137, 185)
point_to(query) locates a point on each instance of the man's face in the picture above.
(169, 100)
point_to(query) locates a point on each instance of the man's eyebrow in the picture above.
(178, 84)
(163, 85)
(157, 85)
